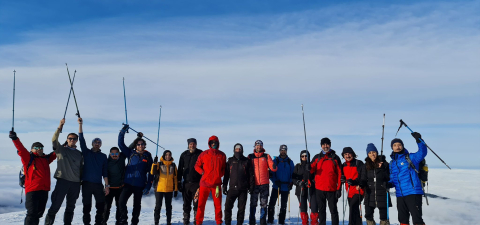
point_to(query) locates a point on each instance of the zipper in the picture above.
(375, 184)
(400, 185)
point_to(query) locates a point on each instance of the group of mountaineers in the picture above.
(319, 181)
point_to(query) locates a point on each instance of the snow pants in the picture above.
(303, 201)
(322, 198)
(410, 205)
(202, 200)
(114, 194)
(189, 190)
(95, 189)
(283, 206)
(369, 211)
(242, 203)
(159, 196)
(63, 189)
(263, 191)
(35, 202)
(127, 191)
(354, 210)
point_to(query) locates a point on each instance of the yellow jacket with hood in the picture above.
(165, 176)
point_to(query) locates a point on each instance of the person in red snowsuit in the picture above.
(36, 167)
(356, 180)
(211, 165)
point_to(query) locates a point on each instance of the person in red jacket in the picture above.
(261, 162)
(356, 180)
(327, 168)
(211, 165)
(36, 167)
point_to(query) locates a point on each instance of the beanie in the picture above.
(190, 140)
(325, 141)
(371, 148)
(283, 147)
(396, 140)
(349, 150)
(37, 144)
(96, 139)
(258, 142)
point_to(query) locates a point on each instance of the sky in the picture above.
(241, 70)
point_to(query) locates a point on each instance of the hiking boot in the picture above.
(372, 222)
(49, 219)
(384, 222)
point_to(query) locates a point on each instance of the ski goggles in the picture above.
(38, 148)
(114, 154)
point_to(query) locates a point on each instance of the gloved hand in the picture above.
(13, 135)
(338, 193)
(140, 134)
(417, 137)
(382, 158)
(175, 194)
(342, 179)
(225, 190)
(155, 160)
(146, 191)
(125, 127)
(352, 182)
(278, 183)
(180, 186)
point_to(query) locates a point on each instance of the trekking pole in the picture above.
(383, 131)
(68, 100)
(73, 92)
(13, 109)
(388, 210)
(343, 201)
(289, 217)
(308, 157)
(300, 205)
(403, 123)
(158, 134)
(345, 205)
(144, 137)
(125, 102)
(360, 203)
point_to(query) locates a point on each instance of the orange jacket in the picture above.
(211, 165)
(261, 162)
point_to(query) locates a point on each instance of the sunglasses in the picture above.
(38, 148)
(143, 144)
(72, 139)
(114, 154)
(304, 156)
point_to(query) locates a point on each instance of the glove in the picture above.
(352, 182)
(417, 137)
(225, 191)
(140, 134)
(180, 186)
(299, 183)
(342, 179)
(125, 127)
(155, 160)
(146, 191)
(278, 183)
(338, 193)
(382, 158)
(175, 194)
(13, 135)
(290, 186)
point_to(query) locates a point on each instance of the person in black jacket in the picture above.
(355, 177)
(189, 178)
(239, 171)
(303, 180)
(378, 175)
(116, 173)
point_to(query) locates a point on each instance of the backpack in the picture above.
(423, 169)
(21, 175)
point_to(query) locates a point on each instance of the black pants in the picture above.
(410, 205)
(242, 202)
(354, 209)
(283, 206)
(68, 189)
(95, 189)
(114, 194)
(303, 201)
(159, 196)
(370, 210)
(263, 192)
(35, 202)
(189, 190)
(322, 198)
(127, 191)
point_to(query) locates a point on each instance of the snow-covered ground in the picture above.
(453, 200)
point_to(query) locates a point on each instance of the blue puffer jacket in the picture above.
(137, 171)
(284, 173)
(402, 177)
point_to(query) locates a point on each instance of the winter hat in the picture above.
(283, 147)
(96, 139)
(371, 148)
(165, 153)
(238, 145)
(304, 152)
(258, 142)
(396, 140)
(325, 140)
(349, 150)
(37, 144)
(190, 140)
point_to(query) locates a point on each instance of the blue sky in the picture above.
(241, 70)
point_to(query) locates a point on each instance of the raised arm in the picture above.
(83, 144)
(21, 150)
(121, 142)
(55, 143)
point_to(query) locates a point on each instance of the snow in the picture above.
(453, 200)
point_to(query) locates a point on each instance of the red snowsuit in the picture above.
(37, 177)
(211, 165)
(327, 172)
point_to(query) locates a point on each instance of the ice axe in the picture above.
(404, 124)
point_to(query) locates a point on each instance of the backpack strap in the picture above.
(32, 157)
(410, 163)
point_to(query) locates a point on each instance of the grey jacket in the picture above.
(69, 161)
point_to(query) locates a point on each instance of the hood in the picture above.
(213, 138)
(308, 155)
(165, 162)
(241, 147)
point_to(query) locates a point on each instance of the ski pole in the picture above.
(289, 207)
(71, 87)
(388, 210)
(383, 131)
(69, 94)
(343, 201)
(158, 134)
(145, 137)
(360, 203)
(403, 123)
(345, 205)
(13, 109)
(300, 205)
(308, 157)
(125, 102)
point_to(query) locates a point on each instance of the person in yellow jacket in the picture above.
(165, 184)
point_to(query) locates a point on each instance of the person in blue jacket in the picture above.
(282, 183)
(138, 179)
(406, 181)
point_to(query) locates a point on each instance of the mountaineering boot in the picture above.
(304, 217)
(195, 217)
(271, 214)
(372, 222)
(263, 221)
(263, 216)
(67, 218)
(186, 218)
(49, 219)
(314, 218)
(384, 222)
(281, 217)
